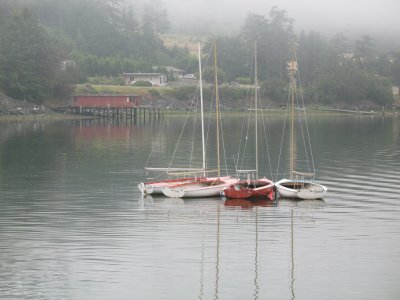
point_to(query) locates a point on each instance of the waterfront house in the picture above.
(156, 79)
(171, 71)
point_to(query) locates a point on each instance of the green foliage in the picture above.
(154, 93)
(103, 27)
(234, 58)
(142, 83)
(311, 53)
(395, 69)
(229, 96)
(104, 80)
(350, 84)
(379, 90)
(183, 93)
(209, 75)
(106, 38)
(62, 89)
(335, 73)
(275, 89)
(232, 94)
(273, 35)
(364, 50)
(155, 16)
(128, 20)
(243, 80)
(29, 60)
(187, 61)
(91, 24)
(94, 66)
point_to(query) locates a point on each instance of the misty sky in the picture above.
(325, 16)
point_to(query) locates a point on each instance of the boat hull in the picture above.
(156, 187)
(300, 189)
(210, 188)
(256, 189)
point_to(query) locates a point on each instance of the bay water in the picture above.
(73, 224)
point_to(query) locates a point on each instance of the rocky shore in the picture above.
(10, 106)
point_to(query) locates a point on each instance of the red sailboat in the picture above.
(244, 189)
(255, 187)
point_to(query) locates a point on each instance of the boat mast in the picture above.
(292, 68)
(217, 106)
(256, 103)
(202, 112)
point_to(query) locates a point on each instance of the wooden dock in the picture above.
(134, 113)
(358, 112)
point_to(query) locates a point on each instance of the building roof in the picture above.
(168, 68)
(143, 74)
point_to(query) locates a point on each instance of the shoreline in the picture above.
(45, 117)
(324, 112)
(53, 116)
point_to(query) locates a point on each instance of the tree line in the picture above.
(103, 37)
(106, 38)
(333, 71)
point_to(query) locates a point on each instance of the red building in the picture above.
(103, 101)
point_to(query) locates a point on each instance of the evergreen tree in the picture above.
(273, 36)
(130, 25)
(29, 60)
(310, 53)
(156, 16)
(364, 50)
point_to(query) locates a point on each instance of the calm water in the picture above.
(74, 226)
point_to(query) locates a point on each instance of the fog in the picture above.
(354, 17)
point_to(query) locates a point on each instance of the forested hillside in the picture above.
(108, 37)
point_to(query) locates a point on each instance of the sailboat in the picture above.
(155, 187)
(210, 186)
(257, 187)
(198, 175)
(297, 186)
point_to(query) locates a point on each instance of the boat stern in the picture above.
(142, 188)
(173, 192)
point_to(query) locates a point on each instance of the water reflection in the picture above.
(256, 287)
(202, 261)
(247, 204)
(74, 226)
(216, 290)
(292, 289)
(304, 210)
(301, 204)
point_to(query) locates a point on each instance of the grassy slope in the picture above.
(181, 41)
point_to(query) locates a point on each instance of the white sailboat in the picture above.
(210, 186)
(297, 186)
(155, 187)
(197, 174)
